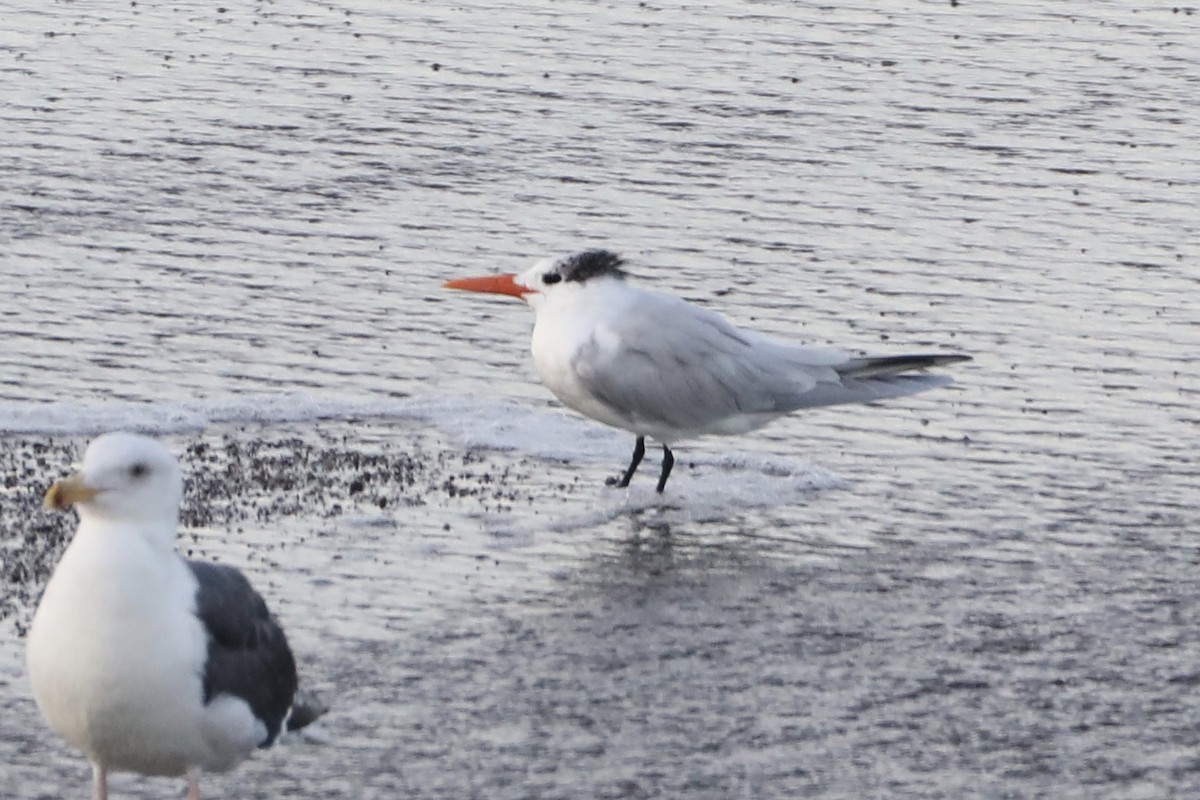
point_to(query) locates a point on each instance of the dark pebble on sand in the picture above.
(229, 479)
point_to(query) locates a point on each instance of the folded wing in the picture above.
(248, 654)
(666, 364)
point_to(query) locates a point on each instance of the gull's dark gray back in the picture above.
(248, 653)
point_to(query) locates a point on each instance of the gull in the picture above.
(145, 661)
(658, 366)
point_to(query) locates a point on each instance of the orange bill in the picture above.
(489, 284)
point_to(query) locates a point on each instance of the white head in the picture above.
(126, 478)
(548, 277)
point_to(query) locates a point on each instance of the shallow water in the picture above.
(229, 226)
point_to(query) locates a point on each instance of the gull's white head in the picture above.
(125, 478)
(549, 276)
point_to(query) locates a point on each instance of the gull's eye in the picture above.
(551, 278)
(138, 470)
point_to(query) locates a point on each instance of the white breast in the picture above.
(115, 654)
(576, 317)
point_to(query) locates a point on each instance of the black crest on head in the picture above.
(591, 264)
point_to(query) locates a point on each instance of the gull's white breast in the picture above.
(116, 653)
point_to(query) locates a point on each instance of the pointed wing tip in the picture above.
(307, 708)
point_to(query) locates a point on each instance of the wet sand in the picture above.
(651, 653)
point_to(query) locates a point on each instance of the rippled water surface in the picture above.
(228, 225)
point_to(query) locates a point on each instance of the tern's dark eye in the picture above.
(551, 278)
(138, 470)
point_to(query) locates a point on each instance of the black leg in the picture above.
(639, 450)
(668, 462)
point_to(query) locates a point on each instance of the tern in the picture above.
(658, 366)
(146, 661)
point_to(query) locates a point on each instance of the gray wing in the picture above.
(667, 363)
(248, 654)
(869, 378)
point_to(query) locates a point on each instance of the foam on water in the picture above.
(706, 494)
(95, 417)
(505, 425)
(466, 421)
(162, 418)
(712, 498)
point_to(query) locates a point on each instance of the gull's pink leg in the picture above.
(99, 782)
